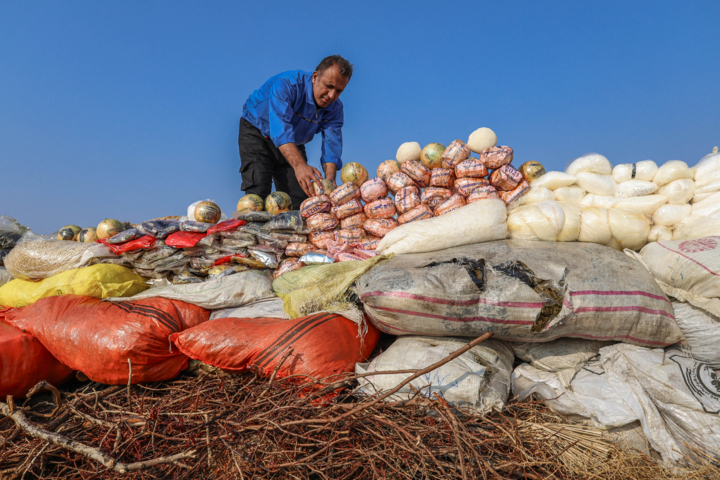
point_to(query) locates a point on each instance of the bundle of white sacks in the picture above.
(622, 207)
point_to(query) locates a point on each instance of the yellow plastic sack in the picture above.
(98, 281)
(321, 287)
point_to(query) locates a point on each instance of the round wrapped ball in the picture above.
(276, 202)
(442, 177)
(313, 205)
(590, 163)
(670, 214)
(398, 181)
(434, 196)
(629, 228)
(432, 155)
(355, 173)
(635, 188)
(472, 167)
(345, 193)
(497, 157)
(456, 153)
(678, 192)
(368, 242)
(108, 228)
(660, 233)
(387, 168)
(487, 192)
(87, 235)
(69, 232)
(353, 220)
(417, 171)
(452, 203)
(298, 249)
(322, 222)
(383, 208)
(321, 237)
(531, 171)
(353, 207)
(572, 194)
(594, 226)
(482, 139)
(324, 187)
(349, 235)
(406, 199)
(373, 189)
(379, 227)
(250, 203)
(466, 186)
(408, 151)
(421, 212)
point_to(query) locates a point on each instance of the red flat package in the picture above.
(145, 241)
(184, 239)
(226, 226)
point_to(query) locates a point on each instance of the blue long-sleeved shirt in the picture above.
(284, 110)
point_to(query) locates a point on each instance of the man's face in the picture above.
(328, 86)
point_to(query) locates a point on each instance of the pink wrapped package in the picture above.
(442, 177)
(483, 193)
(417, 171)
(313, 205)
(383, 208)
(373, 189)
(466, 186)
(514, 194)
(353, 220)
(471, 168)
(353, 207)
(455, 153)
(406, 199)
(399, 180)
(421, 212)
(452, 203)
(506, 178)
(344, 193)
(379, 227)
(497, 157)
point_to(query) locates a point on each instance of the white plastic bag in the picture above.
(635, 188)
(711, 199)
(602, 201)
(554, 180)
(590, 163)
(541, 221)
(659, 233)
(572, 194)
(534, 195)
(478, 379)
(701, 330)
(225, 292)
(671, 214)
(673, 170)
(629, 229)
(644, 170)
(698, 227)
(647, 204)
(595, 226)
(481, 221)
(597, 184)
(706, 165)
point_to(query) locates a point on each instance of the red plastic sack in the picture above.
(184, 239)
(226, 226)
(323, 344)
(97, 338)
(24, 361)
(145, 241)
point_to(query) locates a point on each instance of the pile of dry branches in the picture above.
(213, 425)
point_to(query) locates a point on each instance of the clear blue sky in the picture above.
(130, 109)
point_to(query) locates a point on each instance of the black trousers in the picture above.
(262, 163)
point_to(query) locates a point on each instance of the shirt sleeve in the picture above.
(280, 112)
(332, 140)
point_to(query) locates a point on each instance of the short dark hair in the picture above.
(346, 68)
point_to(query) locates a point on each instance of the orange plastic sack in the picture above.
(24, 361)
(323, 344)
(97, 338)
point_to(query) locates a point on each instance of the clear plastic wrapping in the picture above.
(590, 163)
(673, 170)
(125, 236)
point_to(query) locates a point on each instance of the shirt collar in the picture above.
(309, 93)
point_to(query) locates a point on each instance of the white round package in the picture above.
(594, 226)
(673, 170)
(603, 201)
(554, 180)
(647, 204)
(596, 183)
(678, 192)
(644, 170)
(635, 188)
(670, 214)
(590, 163)
(572, 194)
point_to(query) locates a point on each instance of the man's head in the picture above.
(330, 79)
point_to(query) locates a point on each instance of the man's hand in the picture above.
(304, 173)
(330, 172)
(306, 176)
